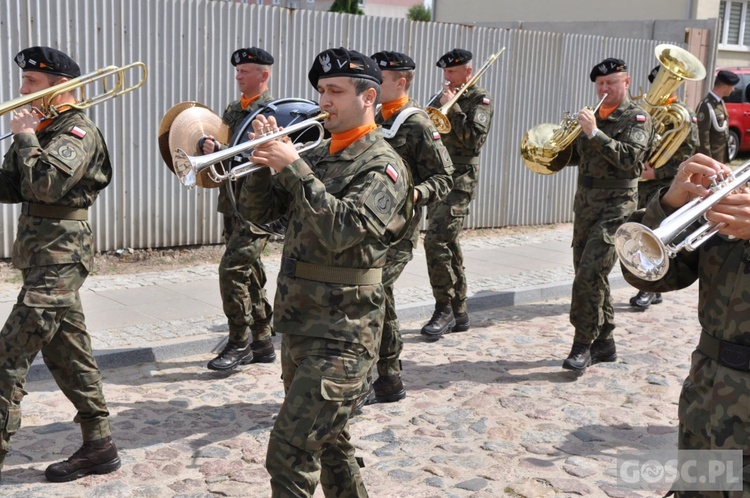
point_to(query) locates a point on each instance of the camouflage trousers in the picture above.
(48, 317)
(445, 261)
(391, 343)
(591, 309)
(242, 281)
(310, 439)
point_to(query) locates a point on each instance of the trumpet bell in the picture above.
(439, 120)
(641, 251)
(540, 152)
(182, 127)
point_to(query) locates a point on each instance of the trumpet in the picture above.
(49, 111)
(439, 117)
(187, 168)
(646, 252)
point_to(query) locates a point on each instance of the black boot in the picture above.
(441, 322)
(643, 300)
(462, 322)
(234, 354)
(657, 298)
(603, 351)
(579, 357)
(263, 351)
(94, 457)
(388, 389)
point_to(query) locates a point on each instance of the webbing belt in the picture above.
(331, 274)
(589, 182)
(726, 353)
(54, 212)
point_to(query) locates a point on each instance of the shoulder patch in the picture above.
(436, 135)
(486, 101)
(391, 172)
(695, 120)
(78, 132)
(640, 118)
(482, 117)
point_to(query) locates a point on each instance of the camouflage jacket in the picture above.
(418, 143)
(65, 164)
(343, 210)
(233, 116)
(470, 117)
(713, 403)
(713, 140)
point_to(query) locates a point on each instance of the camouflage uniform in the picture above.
(470, 119)
(57, 173)
(713, 140)
(714, 408)
(418, 143)
(343, 211)
(665, 174)
(608, 170)
(242, 276)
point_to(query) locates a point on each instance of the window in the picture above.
(734, 24)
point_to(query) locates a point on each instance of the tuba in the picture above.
(547, 148)
(671, 121)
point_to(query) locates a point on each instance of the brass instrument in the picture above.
(646, 252)
(671, 121)
(439, 116)
(189, 168)
(547, 148)
(49, 110)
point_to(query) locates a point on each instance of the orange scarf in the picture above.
(604, 112)
(246, 101)
(46, 122)
(390, 108)
(340, 141)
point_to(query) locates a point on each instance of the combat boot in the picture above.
(263, 351)
(579, 357)
(603, 351)
(388, 389)
(462, 322)
(233, 354)
(94, 457)
(442, 321)
(643, 300)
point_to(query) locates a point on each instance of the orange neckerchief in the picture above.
(390, 108)
(604, 112)
(340, 141)
(46, 122)
(246, 101)
(671, 100)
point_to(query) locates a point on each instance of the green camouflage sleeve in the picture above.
(472, 124)
(432, 169)
(627, 149)
(50, 172)
(10, 180)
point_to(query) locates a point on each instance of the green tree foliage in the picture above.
(419, 12)
(346, 6)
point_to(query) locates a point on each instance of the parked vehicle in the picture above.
(738, 108)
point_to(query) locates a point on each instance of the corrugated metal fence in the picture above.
(186, 45)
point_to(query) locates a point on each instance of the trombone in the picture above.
(439, 117)
(49, 111)
(646, 252)
(187, 168)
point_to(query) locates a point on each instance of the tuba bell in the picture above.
(547, 148)
(671, 121)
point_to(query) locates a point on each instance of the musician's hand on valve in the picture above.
(649, 173)
(276, 154)
(733, 211)
(24, 121)
(693, 179)
(587, 121)
(448, 94)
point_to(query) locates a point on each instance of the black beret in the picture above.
(342, 62)
(456, 57)
(608, 66)
(652, 74)
(727, 77)
(252, 55)
(47, 60)
(393, 61)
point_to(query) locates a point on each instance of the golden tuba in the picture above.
(671, 121)
(547, 148)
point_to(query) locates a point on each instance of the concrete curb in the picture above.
(180, 348)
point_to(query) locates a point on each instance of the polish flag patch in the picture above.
(436, 135)
(391, 172)
(640, 118)
(695, 119)
(486, 101)
(78, 132)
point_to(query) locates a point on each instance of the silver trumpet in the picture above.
(187, 168)
(646, 252)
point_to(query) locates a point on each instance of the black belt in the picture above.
(465, 160)
(726, 353)
(331, 274)
(589, 182)
(54, 212)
